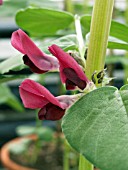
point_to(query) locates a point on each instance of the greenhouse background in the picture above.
(14, 118)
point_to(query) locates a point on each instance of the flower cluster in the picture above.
(35, 95)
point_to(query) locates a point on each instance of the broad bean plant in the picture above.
(95, 117)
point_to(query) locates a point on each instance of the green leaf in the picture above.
(116, 45)
(11, 64)
(113, 43)
(43, 4)
(117, 29)
(6, 97)
(97, 127)
(43, 22)
(67, 42)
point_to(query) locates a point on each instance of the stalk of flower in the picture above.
(38, 61)
(36, 96)
(70, 72)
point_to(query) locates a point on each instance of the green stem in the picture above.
(38, 142)
(100, 27)
(66, 156)
(68, 6)
(38, 122)
(80, 39)
(84, 164)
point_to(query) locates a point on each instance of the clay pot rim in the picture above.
(5, 158)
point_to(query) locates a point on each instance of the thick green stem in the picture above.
(80, 39)
(84, 164)
(100, 27)
(68, 4)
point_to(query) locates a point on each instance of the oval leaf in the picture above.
(97, 127)
(117, 29)
(43, 22)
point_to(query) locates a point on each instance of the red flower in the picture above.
(70, 72)
(1, 2)
(38, 61)
(36, 96)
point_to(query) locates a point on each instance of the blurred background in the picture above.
(12, 112)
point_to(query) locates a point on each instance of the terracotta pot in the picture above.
(5, 158)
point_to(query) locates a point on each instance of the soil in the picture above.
(49, 158)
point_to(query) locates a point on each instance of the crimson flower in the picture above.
(70, 72)
(36, 96)
(1, 2)
(38, 61)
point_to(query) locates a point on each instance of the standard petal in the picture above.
(69, 69)
(16, 41)
(21, 41)
(36, 89)
(31, 100)
(67, 61)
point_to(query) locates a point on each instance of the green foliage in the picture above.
(113, 43)
(117, 30)
(6, 97)
(11, 64)
(10, 7)
(43, 22)
(68, 42)
(97, 127)
(43, 4)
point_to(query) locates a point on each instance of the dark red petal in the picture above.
(66, 61)
(51, 112)
(33, 68)
(70, 85)
(73, 79)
